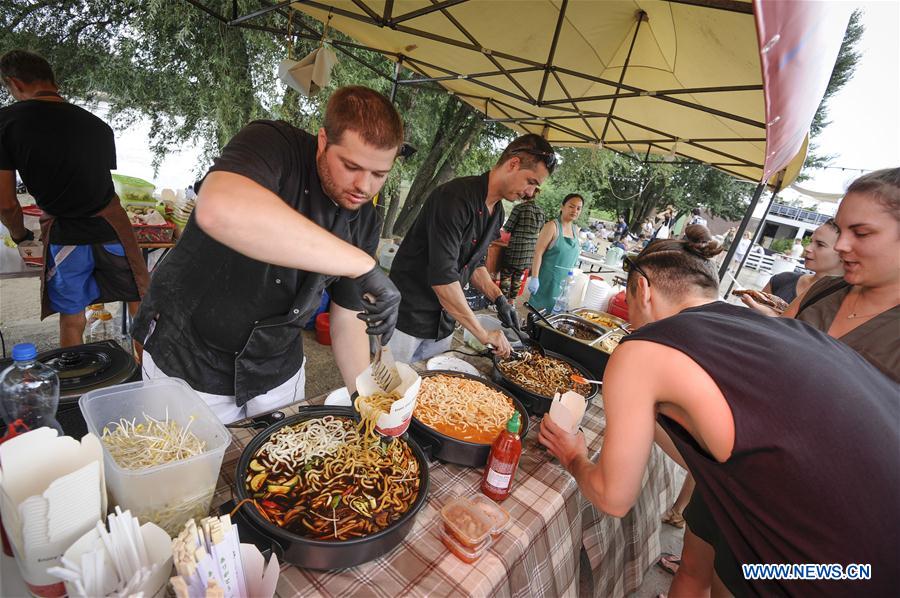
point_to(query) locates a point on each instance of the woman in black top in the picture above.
(820, 257)
(775, 447)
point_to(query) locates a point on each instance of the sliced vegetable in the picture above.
(257, 481)
(278, 489)
(257, 466)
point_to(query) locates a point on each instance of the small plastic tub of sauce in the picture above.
(497, 514)
(467, 523)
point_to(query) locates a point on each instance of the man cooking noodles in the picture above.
(281, 216)
(445, 250)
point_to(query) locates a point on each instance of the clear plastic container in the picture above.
(102, 327)
(29, 390)
(170, 494)
(467, 523)
(497, 514)
(132, 189)
(461, 551)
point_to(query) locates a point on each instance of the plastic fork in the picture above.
(384, 368)
(582, 380)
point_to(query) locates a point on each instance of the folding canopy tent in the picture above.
(729, 83)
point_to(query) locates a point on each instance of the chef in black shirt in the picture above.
(281, 217)
(445, 250)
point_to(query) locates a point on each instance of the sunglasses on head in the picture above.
(548, 158)
(628, 266)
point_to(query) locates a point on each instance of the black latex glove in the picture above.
(507, 313)
(29, 236)
(381, 301)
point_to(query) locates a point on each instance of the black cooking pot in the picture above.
(317, 554)
(452, 450)
(538, 404)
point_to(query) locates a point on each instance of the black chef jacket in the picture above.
(229, 324)
(447, 242)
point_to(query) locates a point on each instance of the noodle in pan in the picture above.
(462, 408)
(542, 375)
(330, 478)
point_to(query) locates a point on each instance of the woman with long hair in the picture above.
(819, 256)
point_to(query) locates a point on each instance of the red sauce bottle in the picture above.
(503, 461)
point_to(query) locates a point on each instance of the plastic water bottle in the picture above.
(562, 300)
(93, 312)
(29, 390)
(103, 328)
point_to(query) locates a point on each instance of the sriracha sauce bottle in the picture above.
(503, 461)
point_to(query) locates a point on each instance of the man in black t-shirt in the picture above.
(64, 154)
(281, 217)
(445, 250)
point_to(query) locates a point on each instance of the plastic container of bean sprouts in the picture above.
(168, 494)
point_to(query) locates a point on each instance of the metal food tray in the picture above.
(575, 320)
(584, 310)
(592, 358)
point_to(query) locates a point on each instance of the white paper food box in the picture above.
(397, 421)
(567, 410)
(52, 491)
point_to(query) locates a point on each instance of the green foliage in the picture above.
(617, 185)
(781, 245)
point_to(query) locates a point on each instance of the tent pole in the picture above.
(396, 78)
(754, 238)
(740, 231)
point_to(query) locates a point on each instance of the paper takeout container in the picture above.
(52, 491)
(397, 420)
(567, 410)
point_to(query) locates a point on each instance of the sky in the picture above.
(864, 132)
(865, 114)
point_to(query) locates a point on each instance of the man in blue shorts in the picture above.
(64, 154)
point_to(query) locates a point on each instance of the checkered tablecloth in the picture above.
(537, 556)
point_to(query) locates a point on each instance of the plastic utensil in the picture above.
(583, 380)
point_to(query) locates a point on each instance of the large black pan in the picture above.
(538, 404)
(318, 554)
(452, 450)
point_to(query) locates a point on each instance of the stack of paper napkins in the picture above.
(52, 491)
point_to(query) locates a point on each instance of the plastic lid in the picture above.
(515, 423)
(104, 315)
(466, 522)
(497, 514)
(24, 352)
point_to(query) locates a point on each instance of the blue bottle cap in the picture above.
(24, 352)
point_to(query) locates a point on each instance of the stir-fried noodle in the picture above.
(332, 479)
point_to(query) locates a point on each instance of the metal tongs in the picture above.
(384, 368)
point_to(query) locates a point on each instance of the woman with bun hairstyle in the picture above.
(555, 253)
(756, 409)
(862, 308)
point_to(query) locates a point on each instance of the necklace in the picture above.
(853, 315)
